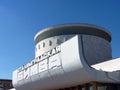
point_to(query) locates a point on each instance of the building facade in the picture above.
(69, 57)
(5, 84)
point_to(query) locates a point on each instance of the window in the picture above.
(104, 86)
(59, 41)
(38, 46)
(43, 44)
(50, 43)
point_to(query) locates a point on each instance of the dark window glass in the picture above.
(50, 43)
(59, 41)
(107, 86)
(43, 44)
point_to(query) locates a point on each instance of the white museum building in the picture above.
(70, 57)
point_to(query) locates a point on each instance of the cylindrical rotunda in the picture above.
(96, 40)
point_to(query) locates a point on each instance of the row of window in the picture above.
(95, 86)
(50, 44)
(43, 45)
(60, 40)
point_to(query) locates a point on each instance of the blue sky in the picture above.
(20, 20)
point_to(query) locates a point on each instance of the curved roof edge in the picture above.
(76, 28)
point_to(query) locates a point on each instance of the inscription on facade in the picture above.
(47, 60)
